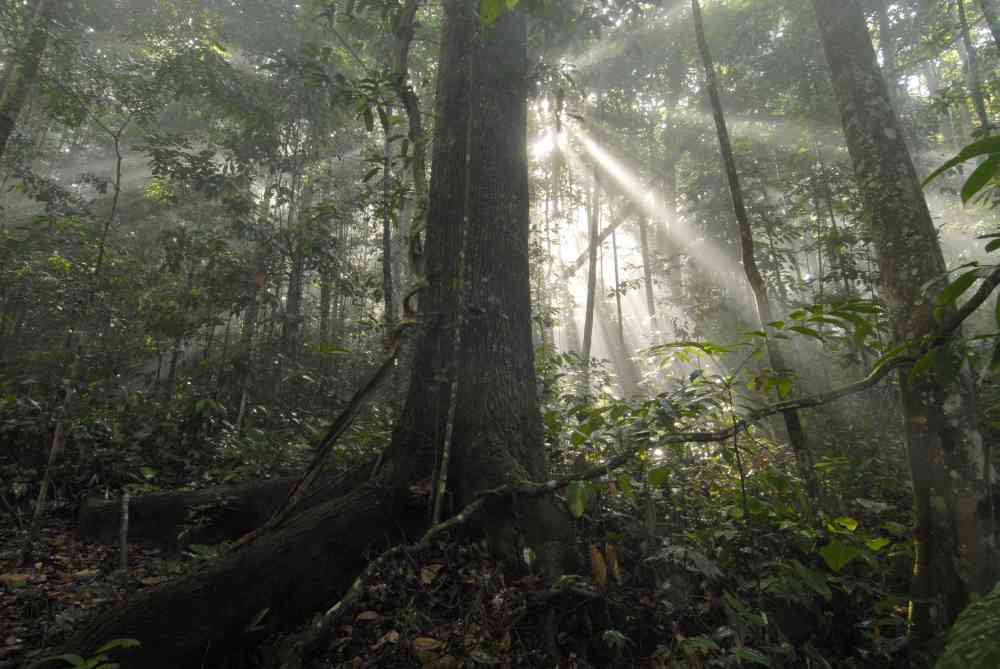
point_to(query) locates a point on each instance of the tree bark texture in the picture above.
(954, 535)
(170, 520)
(593, 225)
(24, 68)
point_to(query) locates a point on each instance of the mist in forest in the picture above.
(677, 307)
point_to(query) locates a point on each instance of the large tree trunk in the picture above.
(21, 73)
(304, 564)
(949, 460)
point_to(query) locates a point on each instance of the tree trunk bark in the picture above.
(989, 11)
(972, 70)
(593, 225)
(647, 271)
(793, 424)
(24, 68)
(949, 459)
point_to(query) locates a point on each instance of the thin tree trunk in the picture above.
(887, 46)
(618, 294)
(989, 11)
(949, 459)
(389, 302)
(793, 424)
(647, 271)
(972, 69)
(593, 225)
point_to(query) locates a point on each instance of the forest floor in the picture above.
(44, 600)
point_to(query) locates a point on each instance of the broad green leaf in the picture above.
(118, 643)
(837, 554)
(809, 332)
(658, 476)
(877, 544)
(489, 11)
(751, 655)
(576, 498)
(979, 178)
(815, 580)
(957, 287)
(974, 150)
(846, 522)
(993, 246)
(973, 641)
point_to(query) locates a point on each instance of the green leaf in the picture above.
(957, 287)
(489, 11)
(369, 118)
(69, 658)
(814, 580)
(576, 498)
(973, 640)
(751, 655)
(809, 332)
(118, 643)
(993, 246)
(981, 148)
(624, 482)
(846, 522)
(979, 178)
(837, 554)
(877, 544)
(658, 476)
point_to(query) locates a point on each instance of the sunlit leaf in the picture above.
(979, 178)
(837, 554)
(576, 495)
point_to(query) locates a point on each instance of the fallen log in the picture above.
(172, 520)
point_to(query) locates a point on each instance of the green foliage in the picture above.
(972, 641)
(100, 659)
(982, 175)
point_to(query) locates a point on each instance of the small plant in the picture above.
(100, 660)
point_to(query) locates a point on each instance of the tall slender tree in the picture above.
(793, 423)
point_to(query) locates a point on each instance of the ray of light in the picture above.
(709, 256)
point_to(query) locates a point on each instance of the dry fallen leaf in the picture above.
(598, 567)
(612, 554)
(368, 616)
(391, 636)
(430, 572)
(14, 580)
